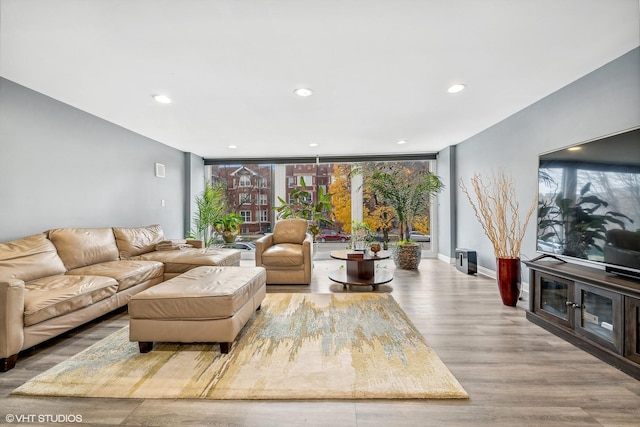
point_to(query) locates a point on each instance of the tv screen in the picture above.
(589, 202)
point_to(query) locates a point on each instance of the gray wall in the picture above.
(62, 167)
(446, 203)
(194, 185)
(603, 102)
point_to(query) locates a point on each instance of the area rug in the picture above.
(299, 346)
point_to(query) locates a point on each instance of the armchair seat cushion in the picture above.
(283, 255)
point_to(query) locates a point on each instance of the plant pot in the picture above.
(359, 245)
(508, 276)
(229, 236)
(407, 256)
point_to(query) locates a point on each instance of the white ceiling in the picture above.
(379, 69)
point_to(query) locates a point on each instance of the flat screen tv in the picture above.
(589, 203)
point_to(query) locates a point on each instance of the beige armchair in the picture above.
(286, 254)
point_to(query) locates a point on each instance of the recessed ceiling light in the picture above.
(402, 141)
(162, 99)
(456, 88)
(303, 91)
(233, 147)
(574, 148)
(313, 144)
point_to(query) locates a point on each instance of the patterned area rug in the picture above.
(299, 346)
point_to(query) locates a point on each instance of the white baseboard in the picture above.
(443, 257)
(524, 287)
(487, 272)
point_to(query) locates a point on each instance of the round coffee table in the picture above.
(360, 269)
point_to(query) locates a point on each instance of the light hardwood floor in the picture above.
(516, 373)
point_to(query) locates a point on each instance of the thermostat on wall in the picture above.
(159, 170)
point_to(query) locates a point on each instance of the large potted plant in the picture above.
(210, 207)
(496, 208)
(318, 213)
(408, 192)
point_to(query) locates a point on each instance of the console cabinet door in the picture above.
(632, 333)
(599, 316)
(553, 299)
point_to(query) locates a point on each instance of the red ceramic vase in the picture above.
(508, 274)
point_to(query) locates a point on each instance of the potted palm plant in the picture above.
(301, 205)
(498, 212)
(210, 207)
(408, 192)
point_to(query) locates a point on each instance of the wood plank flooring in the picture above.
(516, 373)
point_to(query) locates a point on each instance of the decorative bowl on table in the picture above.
(375, 248)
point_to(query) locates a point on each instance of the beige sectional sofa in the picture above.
(55, 281)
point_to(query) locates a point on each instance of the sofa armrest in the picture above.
(11, 317)
(262, 244)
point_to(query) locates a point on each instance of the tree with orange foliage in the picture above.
(340, 188)
(382, 218)
(421, 223)
(405, 189)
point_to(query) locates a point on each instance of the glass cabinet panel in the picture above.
(597, 315)
(600, 316)
(553, 298)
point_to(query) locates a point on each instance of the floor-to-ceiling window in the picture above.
(249, 194)
(378, 214)
(255, 190)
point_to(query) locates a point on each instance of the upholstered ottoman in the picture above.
(205, 304)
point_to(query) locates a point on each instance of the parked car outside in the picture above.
(419, 237)
(375, 237)
(332, 236)
(244, 246)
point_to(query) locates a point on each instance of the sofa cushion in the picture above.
(290, 231)
(137, 241)
(183, 260)
(79, 247)
(128, 273)
(29, 258)
(283, 255)
(55, 296)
